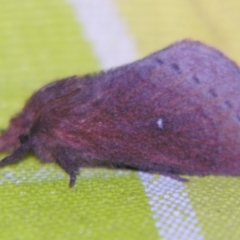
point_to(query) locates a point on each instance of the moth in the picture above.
(176, 111)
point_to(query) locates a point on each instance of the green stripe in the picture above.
(97, 208)
(216, 202)
(40, 41)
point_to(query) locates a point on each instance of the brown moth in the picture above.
(176, 111)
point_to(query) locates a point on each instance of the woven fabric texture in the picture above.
(45, 40)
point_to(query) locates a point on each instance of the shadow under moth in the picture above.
(173, 112)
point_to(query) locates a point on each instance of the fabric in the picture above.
(45, 40)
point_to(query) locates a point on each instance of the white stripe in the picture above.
(107, 32)
(174, 216)
(48, 173)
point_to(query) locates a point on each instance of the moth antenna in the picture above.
(17, 155)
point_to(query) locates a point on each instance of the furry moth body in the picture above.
(176, 111)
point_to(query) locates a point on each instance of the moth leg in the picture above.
(73, 177)
(175, 177)
(168, 172)
(70, 163)
(70, 170)
(17, 155)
